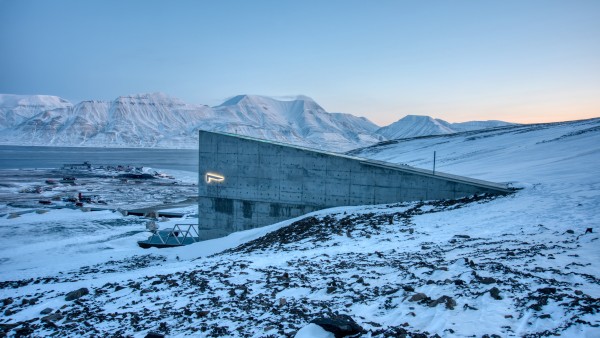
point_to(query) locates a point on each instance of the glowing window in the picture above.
(212, 177)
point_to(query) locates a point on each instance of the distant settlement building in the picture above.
(246, 183)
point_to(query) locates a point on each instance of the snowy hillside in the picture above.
(416, 125)
(157, 120)
(522, 265)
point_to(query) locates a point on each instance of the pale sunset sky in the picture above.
(519, 61)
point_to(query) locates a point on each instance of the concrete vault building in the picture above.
(246, 183)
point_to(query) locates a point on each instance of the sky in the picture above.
(520, 61)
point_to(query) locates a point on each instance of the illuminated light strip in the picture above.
(211, 177)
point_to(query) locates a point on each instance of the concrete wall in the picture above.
(265, 182)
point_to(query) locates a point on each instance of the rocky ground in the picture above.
(401, 270)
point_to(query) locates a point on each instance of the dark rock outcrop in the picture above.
(73, 295)
(341, 325)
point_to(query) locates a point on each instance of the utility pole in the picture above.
(434, 162)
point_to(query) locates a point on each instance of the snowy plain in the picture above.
(510, 266)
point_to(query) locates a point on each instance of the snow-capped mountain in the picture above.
(417, 125)
(157, 120)
(15, 109)
(298, 121)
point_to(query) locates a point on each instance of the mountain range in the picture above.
(416, 125)
(161, 121)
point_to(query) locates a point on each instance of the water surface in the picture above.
(27, 157)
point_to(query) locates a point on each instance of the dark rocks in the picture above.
(547, 291)
(24, 331)
(417, 297)
(540, 302)
(52, 317)
(73, 295)
(447, 300)
(7, 301)
(46, 311)
(200, 314)
(487, 280)
(408, 288)
(495, 293)
(154, 335)
(469, 307)
(340, 325)
(399, 332)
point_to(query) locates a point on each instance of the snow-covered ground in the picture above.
(509, 266)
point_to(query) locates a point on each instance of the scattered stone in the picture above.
(282, 301)
(588, 230)
(200, 314)
(469, 307)
(417, 297)
(7, 301)
(408, 288)
(154, 335)
(508, 316)
(76, 294)
(547, 291)
(570, 231)
(24, 331)
(495, 293)
(487, 280)
(52, 317)
(341, 325)
(545, 316)
(46, 311)
(578, 292)
(448, 301)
